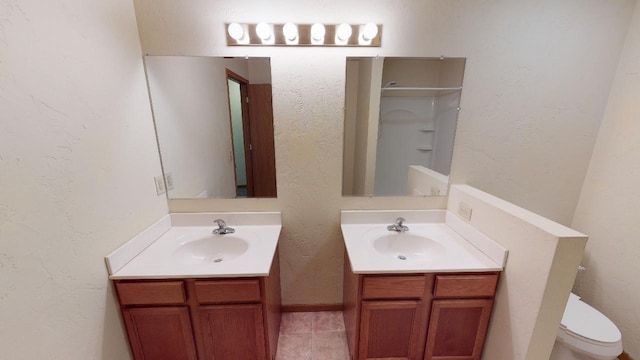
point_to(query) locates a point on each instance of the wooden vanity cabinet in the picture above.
(160, 333)
(417, 316)
(196, 319)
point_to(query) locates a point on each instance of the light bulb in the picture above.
(344, 32)
(264, 31)
(290, 31)
(370, 31)
(317, 31)
(236, 31)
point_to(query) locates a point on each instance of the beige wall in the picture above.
(537, 278)
(528, 122)
(610, 203)
(77, 161)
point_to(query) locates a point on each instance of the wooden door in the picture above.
(233, 332)
(390, 330)
(160, 333)
(263, 156)
(457, 329)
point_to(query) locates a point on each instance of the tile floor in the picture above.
(312, 336)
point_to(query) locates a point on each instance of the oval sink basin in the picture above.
(407, 246)
(212, 249)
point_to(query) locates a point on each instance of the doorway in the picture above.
(251, 116)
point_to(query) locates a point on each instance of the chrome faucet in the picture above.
(222, 228)
(398, 226)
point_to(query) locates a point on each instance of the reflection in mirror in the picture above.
(214, 123)
(400, 123)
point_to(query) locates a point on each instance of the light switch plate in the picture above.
(159, 180)
(168, 178)
(464, 210)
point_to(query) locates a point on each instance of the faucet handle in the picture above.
(398, 225)
(222, 228)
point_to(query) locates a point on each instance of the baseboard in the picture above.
(311, 308)
(624, 356)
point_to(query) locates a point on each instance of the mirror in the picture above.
(214, 124)
(400, 123)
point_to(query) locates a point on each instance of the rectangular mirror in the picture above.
(214, 124)
(400, 123)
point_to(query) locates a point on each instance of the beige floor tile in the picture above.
(295, 347)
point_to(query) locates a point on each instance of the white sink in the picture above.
(212, 249)
(430, 245)
(182, 245)
(403, 246)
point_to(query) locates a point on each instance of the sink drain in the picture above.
(402, 257)
(217, 260)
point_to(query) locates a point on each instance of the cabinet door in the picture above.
(160, 333)
(457, 329)
(390, 329)
(233, 332)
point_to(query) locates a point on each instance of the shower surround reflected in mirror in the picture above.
(214, 124)
(400, 123)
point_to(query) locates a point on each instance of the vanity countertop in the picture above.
(437, 241)
(183, 246)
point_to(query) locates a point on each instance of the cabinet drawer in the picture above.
(151, 293)
(393, 287)
(228, 291)
(464, 286)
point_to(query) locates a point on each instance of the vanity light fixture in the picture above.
(317, 33)
(235, 31)
(263, 31)
(369, 31)
(292, 34)
(343, 33)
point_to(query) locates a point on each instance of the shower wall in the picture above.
(406, 137)
(415, 130)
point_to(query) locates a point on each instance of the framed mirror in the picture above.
(214, 124)
(400, 122)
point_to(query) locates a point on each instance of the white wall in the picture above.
(609, 204)
(191, 112)
(77, 161)
(424, 181)
(529, 115)
(537, 278)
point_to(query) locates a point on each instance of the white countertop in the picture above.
(144, 257)
(451, 251)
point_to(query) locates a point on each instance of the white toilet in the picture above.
(586, 334)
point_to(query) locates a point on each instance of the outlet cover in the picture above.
(159, 180)
(435, 191)
(464, 210)
(168, 179)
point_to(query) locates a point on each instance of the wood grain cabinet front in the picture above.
(233, 331)
(197, 319)
(457, 329)
(390, 330)
(160, 333)
(417, 316)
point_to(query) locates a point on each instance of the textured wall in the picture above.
(608, 207)
(537, 77)
(77, 160)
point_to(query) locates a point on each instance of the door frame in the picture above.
(246, 129)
